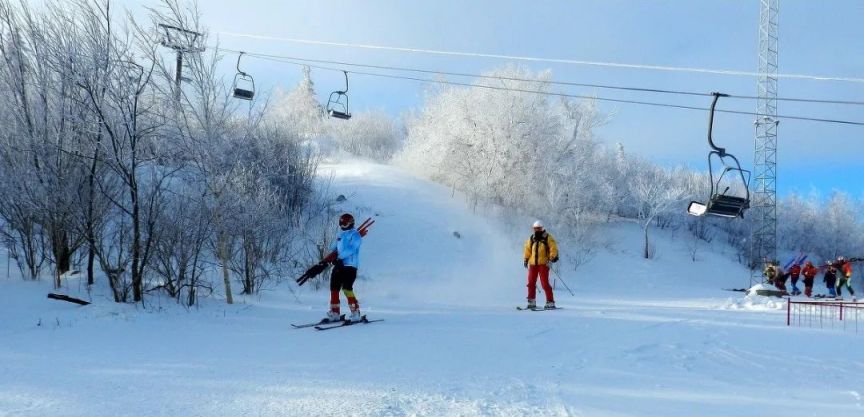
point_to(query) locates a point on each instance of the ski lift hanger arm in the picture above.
(346, 81)
(238, 63)
(720, 151)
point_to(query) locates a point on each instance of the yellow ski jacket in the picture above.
(540, 251)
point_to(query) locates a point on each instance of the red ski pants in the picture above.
(808, 286)
(543, 272)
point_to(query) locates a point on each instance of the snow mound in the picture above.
(754, 300)
(761, 288)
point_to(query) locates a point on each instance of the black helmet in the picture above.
(346, 221)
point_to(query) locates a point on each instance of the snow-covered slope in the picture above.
(641, 337)
(413, 256)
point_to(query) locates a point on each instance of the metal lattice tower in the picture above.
(764, 233)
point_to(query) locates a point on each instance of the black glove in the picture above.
(525, 263)
(311, 272)
(553, 260)
(338, 263)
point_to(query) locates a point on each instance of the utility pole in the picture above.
(763, 239)
(180, 40)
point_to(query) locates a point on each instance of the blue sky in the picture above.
(816, 37)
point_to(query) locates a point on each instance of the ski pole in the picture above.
(562, 281)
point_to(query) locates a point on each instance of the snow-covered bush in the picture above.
(510, 148)
(373, 135)
(299, 110)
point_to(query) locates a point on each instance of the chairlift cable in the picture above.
(564, 83)
(462, 74)
(549, 60)
(559, 94)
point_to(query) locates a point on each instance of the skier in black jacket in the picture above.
(830, 279)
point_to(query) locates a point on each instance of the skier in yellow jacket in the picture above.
(540, 250)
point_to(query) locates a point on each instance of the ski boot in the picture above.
(532, 304)
(550, 305)
(332, 317)
(355, 316)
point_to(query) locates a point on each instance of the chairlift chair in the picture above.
(337, 104)
(244, 84)
(720, 203)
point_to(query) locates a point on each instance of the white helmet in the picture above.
(537, 224)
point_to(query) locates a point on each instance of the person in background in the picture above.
(768, 272)
(776, 276)
(794, 274)
(844, 268)
(830, 279)
(809, 271)
(540, 250)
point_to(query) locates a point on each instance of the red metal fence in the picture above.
(829, 314)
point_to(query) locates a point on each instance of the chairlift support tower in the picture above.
(763, 239)
(181, 40)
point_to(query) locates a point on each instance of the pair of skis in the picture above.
(520, 308)
(797, 260)
(322, 322)
(326, 324)
(828, 297)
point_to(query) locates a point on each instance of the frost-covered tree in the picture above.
(500, 146)
(131, 113)
(654, 192)
(521, 151)
(822, 228)
(838, 226)
(100, 150)
(373, 135)
(299, 109)
(798, 223)
(180, 253)
(273, 183)
(49, 55)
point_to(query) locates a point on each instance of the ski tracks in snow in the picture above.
(512, 399)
